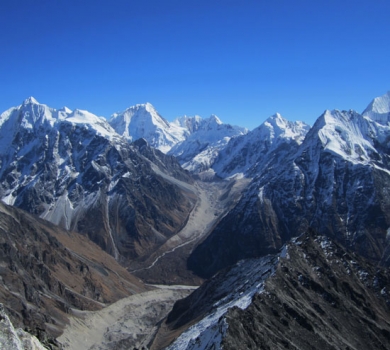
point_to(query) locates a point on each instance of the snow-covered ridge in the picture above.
(207, 137)
(200, 144)
(31, 115)
(239, 286)
(88, 119)
(195, 141)
(195, 123)
(185, 137)
(349, 135)
(251, 149)
(346, 134)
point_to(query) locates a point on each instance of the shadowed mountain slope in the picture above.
(314, 294)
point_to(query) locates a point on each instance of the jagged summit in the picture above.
(281, 127)
(143, 121)
(30, 100)
(347, 134)
(196, 122)
(141, 110)
(65, 110)
(145, 107)
(38, 118)
(207, 137)
(189, 123)
(277, 115)
(254, 148)
(215, 119)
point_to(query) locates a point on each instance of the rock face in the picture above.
(74, 170)
(314, 294)
(46, 273)
(335, 181)
(15, 339)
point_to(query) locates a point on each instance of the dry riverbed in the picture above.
(129, 323)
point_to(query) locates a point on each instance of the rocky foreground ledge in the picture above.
(16, 339)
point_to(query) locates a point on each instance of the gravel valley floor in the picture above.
(127, 324)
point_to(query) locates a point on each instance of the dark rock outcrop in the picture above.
(314, 294)
(15, 339)
(321, 297)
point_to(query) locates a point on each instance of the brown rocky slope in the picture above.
(47, 273)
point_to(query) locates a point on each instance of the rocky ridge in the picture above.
(314, 294)
(15, 339)
(321, 297)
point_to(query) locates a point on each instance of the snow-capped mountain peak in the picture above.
(30, 100)
(141, 114)
(205, 140)
(34, 121)
(28, 115)
(379, 109)
(253, 148)
(214, 119)
(189, 123)
(65, 110)
(277, 126)
(347, 134)
(197, 123)
(143, 121)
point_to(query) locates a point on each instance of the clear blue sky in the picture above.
(242, 60)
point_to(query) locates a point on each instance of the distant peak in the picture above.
(379, 109)
(276, 116)
(215, 119)
(147, 106)
(276, 119)
(66, 110)
(30, 100)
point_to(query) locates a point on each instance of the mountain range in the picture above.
(195, 201)
(335, 179)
